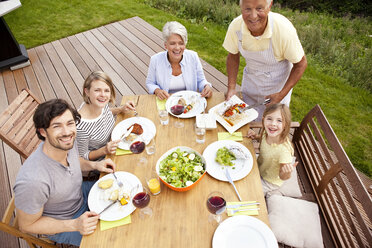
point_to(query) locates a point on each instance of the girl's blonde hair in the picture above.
(98, 76)
(286, 118)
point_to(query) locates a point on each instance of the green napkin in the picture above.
(254, 210)
(160, 104)
(122, 152)
(104, 225)
(237, 136)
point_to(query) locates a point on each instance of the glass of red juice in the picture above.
(141, 200)
(216, 205)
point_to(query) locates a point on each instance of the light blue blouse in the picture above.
(160, 72)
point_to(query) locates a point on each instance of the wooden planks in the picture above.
(122, 49)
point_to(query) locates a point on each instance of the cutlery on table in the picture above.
(112, 203)
(232, 183)
(120, 184)
(126, 134)
(242, 205)
(233, 211)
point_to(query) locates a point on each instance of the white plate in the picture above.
(243, 231)
(98, 198)
(216, 170)
(250, 115)
(149, 130)
(200, 103)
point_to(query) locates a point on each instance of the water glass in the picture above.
(164, 117)
(200, 134)
(150, 147)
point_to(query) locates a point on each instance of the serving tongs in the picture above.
(264, 102)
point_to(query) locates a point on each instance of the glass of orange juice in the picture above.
(153, 183)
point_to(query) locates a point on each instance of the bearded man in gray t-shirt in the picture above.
(50, 197)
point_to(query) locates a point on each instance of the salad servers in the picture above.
(232, 183)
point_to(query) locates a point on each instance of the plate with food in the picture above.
(181, 168)
(230, 114)
(243, 231)
(141, 128)
(185, 104)
(106, 190)
(228, 155)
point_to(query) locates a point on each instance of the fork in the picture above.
(232, 183)
(117, 180)
(233, 211)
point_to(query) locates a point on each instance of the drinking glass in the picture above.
(138, 146)
(164, 117)
(216, 205)
(200, 134)
(178, 110)
(150, 147)
(153, 182)
(141, 200)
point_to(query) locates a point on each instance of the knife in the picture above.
(232, 183)
(112, 203)
(242, 205)
(127, 133)
(266, 101)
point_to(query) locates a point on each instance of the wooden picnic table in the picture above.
(180, 219)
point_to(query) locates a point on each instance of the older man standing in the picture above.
(50, 197)
(275, 59)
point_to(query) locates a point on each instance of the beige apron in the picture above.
(263, 75)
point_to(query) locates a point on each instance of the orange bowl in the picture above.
(185, 149)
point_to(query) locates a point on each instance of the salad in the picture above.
(225, 157)
(181, 168)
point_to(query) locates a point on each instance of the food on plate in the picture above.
(225, 157)
(234, 109)
(177, 109)
(123, 201)
(181, 169)
(105, 184)
(114, 195)
(182, 101)
(188, 108)
(131, 137)
(137, 129)
(232, 113)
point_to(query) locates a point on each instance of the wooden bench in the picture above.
(327, 177)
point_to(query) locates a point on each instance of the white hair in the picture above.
(174, 28)
(267, 1)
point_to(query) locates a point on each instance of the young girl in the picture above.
(97, 118)
(276, 151)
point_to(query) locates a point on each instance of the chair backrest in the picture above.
(9, 224)
(16, 124)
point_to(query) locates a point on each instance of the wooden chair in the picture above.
(16, 124)
(9, 224)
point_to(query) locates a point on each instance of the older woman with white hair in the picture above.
(176, 68)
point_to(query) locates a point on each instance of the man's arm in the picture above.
(232, 68)
(295, 75)
(38, 224)
(105, 165)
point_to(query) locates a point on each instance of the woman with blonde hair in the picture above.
(176, 68)
(97, 118)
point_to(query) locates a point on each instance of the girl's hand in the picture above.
(252, 134)
(111, 146)
(285, 170)
(161, 94)
(207, 91)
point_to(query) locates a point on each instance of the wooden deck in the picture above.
(58, 69)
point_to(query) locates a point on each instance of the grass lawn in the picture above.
(348, 109)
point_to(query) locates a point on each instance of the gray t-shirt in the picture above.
(44, 182)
